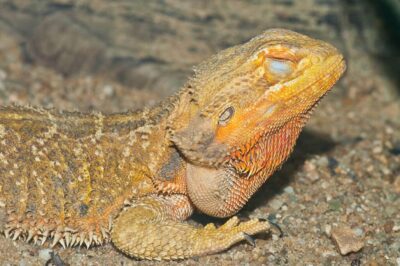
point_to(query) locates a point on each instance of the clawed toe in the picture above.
(276, 225)
(249, 239)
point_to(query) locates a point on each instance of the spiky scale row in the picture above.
(65, 237)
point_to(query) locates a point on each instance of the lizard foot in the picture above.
(145, 232)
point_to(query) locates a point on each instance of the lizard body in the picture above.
(133, 178)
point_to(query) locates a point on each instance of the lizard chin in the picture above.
(215, 192)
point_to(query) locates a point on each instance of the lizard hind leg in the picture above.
(152, 228)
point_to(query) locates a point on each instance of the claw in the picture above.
(277, 227)
(242, 217)
(249, 239)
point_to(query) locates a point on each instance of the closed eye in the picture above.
(279, 67)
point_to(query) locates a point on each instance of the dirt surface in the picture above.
(344, 176)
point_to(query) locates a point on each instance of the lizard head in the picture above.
(246, 107)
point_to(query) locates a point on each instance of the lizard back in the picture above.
(68, 171)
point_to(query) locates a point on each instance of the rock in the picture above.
(45, 254)
(289, 190)
(397, 184)
(276, 204)
(358, 231)
(311, 171)
(328, 230)
(346, 240)
(396, 228)
(388, 227)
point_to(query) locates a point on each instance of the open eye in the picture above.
(226, 116)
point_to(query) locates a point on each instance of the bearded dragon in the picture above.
(133, 178)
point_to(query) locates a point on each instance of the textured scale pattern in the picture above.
(74, 179)
(57, 176)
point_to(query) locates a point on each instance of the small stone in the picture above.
(311, 171)
(396, 228)
(396, 149)
(358, 231)
(388, 227)
(322, 161)
(328, 229)
(45, 254)
(397, 184)
(335, 205)
(377, 150)
(289, 190)
(398, 261)
(108, 90)
(346, 240)
(276, 204)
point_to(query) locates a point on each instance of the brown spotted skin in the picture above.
(133, 178)
(70, 170)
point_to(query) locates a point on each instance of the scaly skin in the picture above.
(134, 178)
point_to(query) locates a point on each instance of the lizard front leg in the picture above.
(152, 228)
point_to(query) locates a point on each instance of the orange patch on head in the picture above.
(260, 59)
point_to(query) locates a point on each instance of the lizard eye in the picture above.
(279, 67)
(226, 116)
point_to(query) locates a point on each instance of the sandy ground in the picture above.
(114, 56)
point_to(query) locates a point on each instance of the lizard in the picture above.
(134, 178)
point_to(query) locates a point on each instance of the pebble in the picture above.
(328, 229)
(44, 254)
(398, 261)
(108, 90)
(388, 227)
(358, 231)
(322, 161)
(311, 171)
(289, 190)
(276, 204)
(346, 240)
(397, 184)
